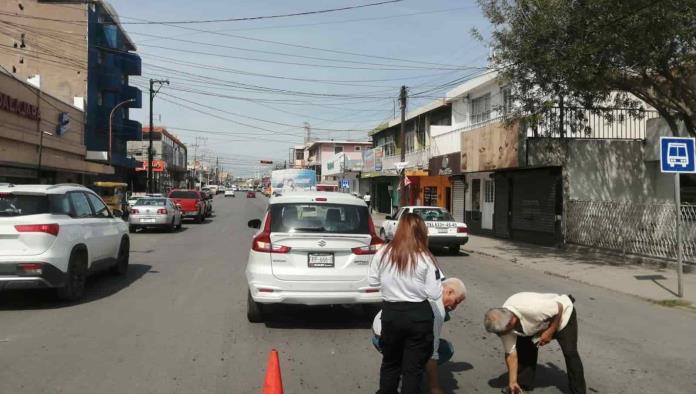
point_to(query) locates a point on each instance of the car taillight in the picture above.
(134, 211)
(375, 243)
(30, 268)
(161, 211)
(52, 228)
(461, 229)
(262, 240)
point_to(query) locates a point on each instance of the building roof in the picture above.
(471, 84)
(114, 16)
(167, 133)
(433, 105)
(338, 142)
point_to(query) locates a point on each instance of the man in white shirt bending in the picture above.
(367, 198)
(453, 293)
(528, 321)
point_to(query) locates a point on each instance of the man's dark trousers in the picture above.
(567, 338)
(407, 344)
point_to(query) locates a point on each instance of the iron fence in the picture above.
(602, 123)
(641, 229)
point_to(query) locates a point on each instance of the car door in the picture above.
(109, 236)
(83, 216)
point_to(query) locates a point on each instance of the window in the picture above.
(357, 148)
(338, 149)
(151, 202)
(319, 218)
(81, 207)
(410, 141)
(100, 210)
(299, 155)
(507, 101)
(433, 214)
(430, 196)
(22, 205)
(489, 191)
(184, 194)
(100, 99)
(481, 109)
(476, 195)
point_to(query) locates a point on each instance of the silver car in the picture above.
(154, 212)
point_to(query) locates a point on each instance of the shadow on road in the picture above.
(99, 286)
(316, 317)
(547, 375)
(446, 375)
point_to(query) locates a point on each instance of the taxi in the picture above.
(443, 230)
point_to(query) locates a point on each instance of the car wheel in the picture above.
(121, 266)
(178, 226)
(74, 287)
(172, 226)
(131, 229)
(454, 249)
(254, 310)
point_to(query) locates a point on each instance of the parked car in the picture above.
(191, 203)
(56, 235)
(251, 194)
(154, 212)
(229, 193)
(443, 230)
(213, 189)
(313, 248)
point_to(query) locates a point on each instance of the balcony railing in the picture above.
(604, 123)
(416, 159)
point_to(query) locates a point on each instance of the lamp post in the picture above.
(111, 118)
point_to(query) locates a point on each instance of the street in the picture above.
(177, 324)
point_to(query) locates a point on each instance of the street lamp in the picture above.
(111, 116)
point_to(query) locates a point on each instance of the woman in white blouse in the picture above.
(406, 272)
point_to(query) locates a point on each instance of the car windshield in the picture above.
(316, 217)
(23, 204)
(433, 214)
(153, 202)
(183, 194)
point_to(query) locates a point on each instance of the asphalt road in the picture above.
(177, 324)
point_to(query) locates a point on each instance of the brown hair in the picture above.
(410, 240)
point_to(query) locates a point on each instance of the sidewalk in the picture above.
(584, 265)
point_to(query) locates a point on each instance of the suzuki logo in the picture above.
(321, 243)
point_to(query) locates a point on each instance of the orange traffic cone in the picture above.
(274, 382)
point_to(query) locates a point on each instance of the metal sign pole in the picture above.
(680, 257)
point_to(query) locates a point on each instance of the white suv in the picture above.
(313, 248)
(55, 235)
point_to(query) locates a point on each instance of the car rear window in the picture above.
(433, 214)
(314, 217)
(12, 204)
(153, 202)
(183, 194)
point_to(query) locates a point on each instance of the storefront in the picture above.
(445, 181)
(41, 137)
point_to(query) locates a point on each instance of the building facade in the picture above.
(41, 137)
(169, 160)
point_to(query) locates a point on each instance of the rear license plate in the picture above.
(320, 260)
(442, 231)
(147, 220)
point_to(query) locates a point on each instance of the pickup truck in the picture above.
(191, 203)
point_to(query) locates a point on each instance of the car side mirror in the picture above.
(254, 223)
(117, 213)
(388, 217)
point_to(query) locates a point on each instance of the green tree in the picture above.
(597, 53)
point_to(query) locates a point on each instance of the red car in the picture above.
(191, 203)
(251, 194)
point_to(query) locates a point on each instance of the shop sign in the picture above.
(379, 154)
(18, 107)
(445, 165)
(157, 166)
(63, 125)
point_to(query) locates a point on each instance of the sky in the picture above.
(242, 90)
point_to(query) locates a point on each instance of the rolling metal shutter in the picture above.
(501, 212)
(458, 200)
(533, 208)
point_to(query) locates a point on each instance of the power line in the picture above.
(252, 18)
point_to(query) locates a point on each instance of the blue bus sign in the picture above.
(677, 154)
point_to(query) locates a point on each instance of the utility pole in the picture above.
(159, 83)
(402, 140)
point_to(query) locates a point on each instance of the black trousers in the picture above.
(527, 354)
(407, 344)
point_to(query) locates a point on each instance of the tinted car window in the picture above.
(81, 207)
(183, 194)
(313, 217)
(433, 214)
(153, 202)
(100, 210)
(21, 205)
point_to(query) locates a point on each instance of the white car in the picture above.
(443, 230)
(56, 235)
(313, 248)
(157, 212)
(229, 193)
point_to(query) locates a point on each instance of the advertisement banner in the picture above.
(369, 160)
(283, 181)
(379, 154)
(157, 166)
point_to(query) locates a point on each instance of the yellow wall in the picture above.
(441, 182)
